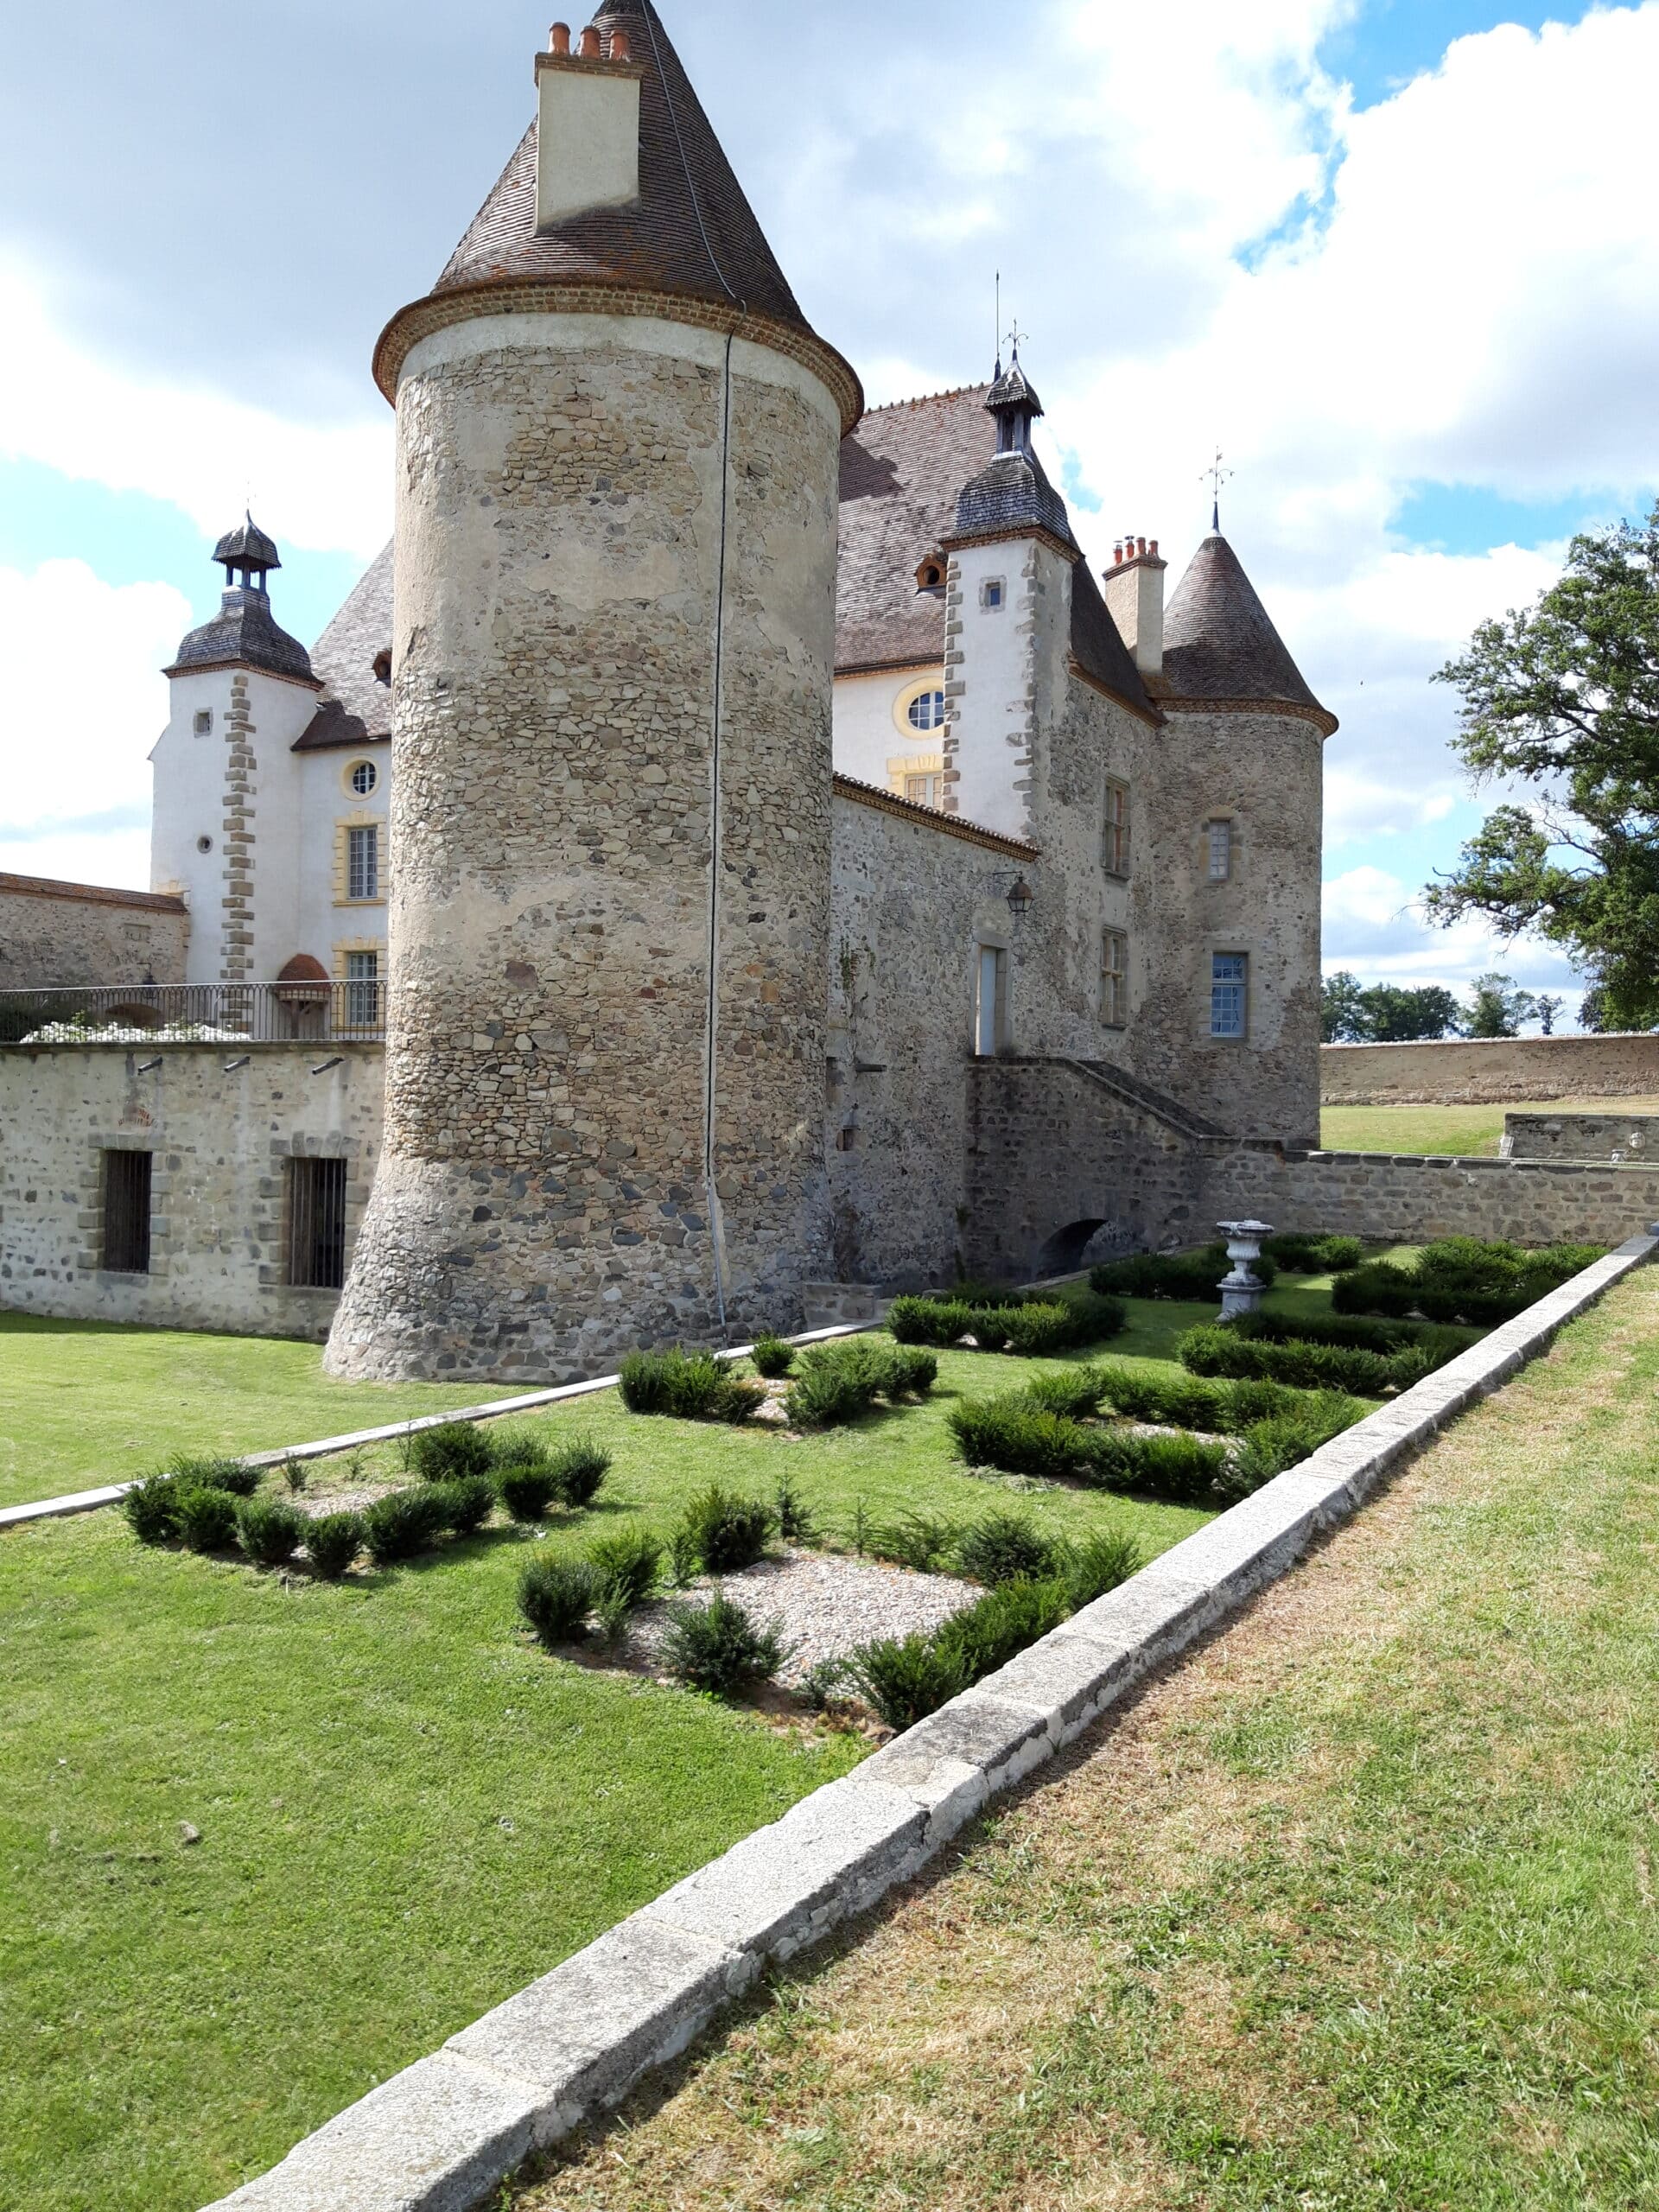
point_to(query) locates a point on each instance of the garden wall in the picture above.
(221, 1122)
(1610, 1139)
(1412, 1198)
(58, 936)
(1470, 1071)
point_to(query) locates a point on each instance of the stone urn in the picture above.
(1242, 1291)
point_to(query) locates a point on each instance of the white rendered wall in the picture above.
(996, 658)
(327, 803)
(871, 730)
(191, 802)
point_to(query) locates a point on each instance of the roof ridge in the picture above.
(928, 398)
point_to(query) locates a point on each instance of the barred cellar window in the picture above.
(126, 1212)
(316, 1225)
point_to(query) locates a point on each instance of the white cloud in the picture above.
(84, 704)
(1374, 927)
(88, 417)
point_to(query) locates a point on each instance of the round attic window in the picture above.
(927, 710)
(204, 844)
(364, 777)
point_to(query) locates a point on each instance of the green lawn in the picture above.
(83, 1403)
(1359, 1908)
(406, 1812)
(1463, 1131)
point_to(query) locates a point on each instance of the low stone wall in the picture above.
(1490, 1071)
(1407, 1199)
(63, 935)
(1609, 1140)
(221, 1123)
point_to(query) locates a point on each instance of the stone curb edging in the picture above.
(330, 1447)
(442, 2135)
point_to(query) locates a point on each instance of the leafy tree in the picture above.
(1593, 1013)
(1387, 1014)
(1499, 1007)
(1341, 1009)
(1548, 1008)
(1394, 1015)
(1565, 698)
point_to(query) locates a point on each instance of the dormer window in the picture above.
(930, 577)
(383, 668)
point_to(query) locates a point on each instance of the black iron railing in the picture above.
(209, 1013)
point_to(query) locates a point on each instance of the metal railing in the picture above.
(190, 1013)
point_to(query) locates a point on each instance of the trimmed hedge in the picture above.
(271, 1531)
(1463, 1279)
(1017, 1438)
(1347, 1330)
(1030, 1328)
(1314, 1255)
(207, 1520)
(454, 1453)
(1192, 1277)
(837, 1382)
(334, 1542)
(403, 1524)
(1218, 1349)
(151, 1508)
(217, 1471)
(688, 1386)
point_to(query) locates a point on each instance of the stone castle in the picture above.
(781, 870)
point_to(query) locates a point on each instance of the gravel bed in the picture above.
(822, 1605)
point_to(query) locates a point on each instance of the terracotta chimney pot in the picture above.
(621, 47)
(558, 39)
(590, 47)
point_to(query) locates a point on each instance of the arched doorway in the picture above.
(1064, 1253)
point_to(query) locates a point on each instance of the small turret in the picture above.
(244, 633)
(1011, 496)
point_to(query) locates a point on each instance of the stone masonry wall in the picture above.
(1609, 1140)
(221, 1137)
(82, 935)
(1481, 1071)
(911, 903)
(570, 542)
(1412, 1198)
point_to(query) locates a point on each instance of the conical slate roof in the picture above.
(247, 547)
(1219, 641)
(691, 235)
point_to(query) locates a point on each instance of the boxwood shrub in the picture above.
(1026, 1326)
(556, 1596)
(206, 1519)
(579, 1469)
(333, 1541)
(773, 1357)
(403, 1524)
(215, 1471)
(467, 1503)
(527, 1492)
(1005, 1548)
(151, 1508)
(457, 1451)
(1314, 1255)
(836, 1383)
(726, 1530)
(1218, 1351)
(1463, 1279)
(270, 1530)
(719, 1647)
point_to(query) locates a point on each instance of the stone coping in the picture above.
(444, 2134)
(330, 1447)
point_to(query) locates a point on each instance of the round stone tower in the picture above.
(618, 444)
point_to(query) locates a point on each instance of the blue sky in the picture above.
(1396, 256)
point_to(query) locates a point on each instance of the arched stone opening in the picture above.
(1063, 1255)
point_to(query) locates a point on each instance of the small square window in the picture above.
(992, 592)
(204, 722)
(1114, 980)
(1229, 983)
(1218, 843)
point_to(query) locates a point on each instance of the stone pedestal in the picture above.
(1242, 1291)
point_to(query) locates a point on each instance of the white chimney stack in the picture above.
(1135, 598)
(588, 135)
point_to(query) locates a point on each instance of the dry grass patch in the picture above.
(1353, 1909)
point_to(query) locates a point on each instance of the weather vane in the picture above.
(1215, 476)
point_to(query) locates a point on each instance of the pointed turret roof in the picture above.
(1220, 643)
(245, 632)
(690, 236)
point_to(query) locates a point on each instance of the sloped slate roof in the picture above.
(1219, 641)
(902, 471)
(692, 229)
(247, 546)
(243, 634)
(344, 657)
(1097, 643)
